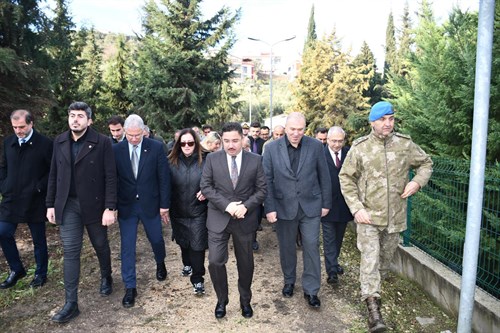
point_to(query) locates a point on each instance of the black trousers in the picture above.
(195, 259)
(71, 231)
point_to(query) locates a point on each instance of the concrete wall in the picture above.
(443, 285)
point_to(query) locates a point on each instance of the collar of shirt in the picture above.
(27, 138)
(238, 161)
(288, 144)
(131, 148)
(333, 154)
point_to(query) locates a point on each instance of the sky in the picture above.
(355, 21)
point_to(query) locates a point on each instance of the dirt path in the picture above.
(171, 306)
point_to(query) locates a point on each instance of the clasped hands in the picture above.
(236, 209)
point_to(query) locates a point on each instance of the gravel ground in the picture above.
(171, 306)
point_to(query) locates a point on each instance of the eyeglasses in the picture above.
(188, 143)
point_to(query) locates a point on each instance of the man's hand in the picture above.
(410, 189)
(200, 196)
(363, 217)
(51, 215)
(324, 212)
(272, 217)
(108, 217)
(164, 214)
(240, 212)
(232, 207)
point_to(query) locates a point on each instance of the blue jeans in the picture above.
(9, 247)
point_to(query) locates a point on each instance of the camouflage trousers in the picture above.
(377, 248)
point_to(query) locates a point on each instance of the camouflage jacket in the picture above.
(375, 173)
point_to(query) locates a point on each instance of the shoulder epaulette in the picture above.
(406, 136)
(359, 140)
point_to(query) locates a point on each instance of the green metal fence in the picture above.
(437, 218)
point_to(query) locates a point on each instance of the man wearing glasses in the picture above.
(335, 223)
(143, 195)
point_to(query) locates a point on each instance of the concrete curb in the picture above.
(443, 286)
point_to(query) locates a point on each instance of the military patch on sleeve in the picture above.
(359, 140)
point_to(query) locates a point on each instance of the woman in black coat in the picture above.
(188, 209)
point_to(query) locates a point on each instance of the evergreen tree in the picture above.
(329, 87)
(225, 110)
(182, 63)
(23, 81)
(116, 79)
(390, 62)
(90, 76)
(311, 30)
(366, 61)
(62, 66)
(436, 99)
(405, 43)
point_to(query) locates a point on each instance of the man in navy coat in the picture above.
(334, 224)
(143, 195)
(24, 172)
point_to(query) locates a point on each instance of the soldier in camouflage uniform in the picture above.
(374, 182)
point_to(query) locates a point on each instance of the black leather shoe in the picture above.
(68, 312)
(12, 279)
(288, 289)
(38, 281)
(161, 272)
(340, 270)
(129, 298)
(247, 311)
(333, 279)
(106, 286)
(220, 310)
(312, 300)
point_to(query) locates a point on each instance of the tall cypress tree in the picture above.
(390, 62)
(182, 63)
(405, 42)
(311, 30)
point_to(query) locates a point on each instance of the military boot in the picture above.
(375, 321)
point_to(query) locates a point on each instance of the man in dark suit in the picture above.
(143, 195)
(234, 183)
(299, 194)
(256, 142)
(82, 193)
(335, 223)
(24, 173)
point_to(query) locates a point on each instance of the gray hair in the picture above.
(335, 129)
(134, 121)
(296, 115)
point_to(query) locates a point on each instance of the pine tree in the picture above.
(366, 61)
(62, 65)
(225, 110)
(311, 30)
(182, 63)
(116, 79)
(23, 80)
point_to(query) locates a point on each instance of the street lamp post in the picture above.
(271, 75)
